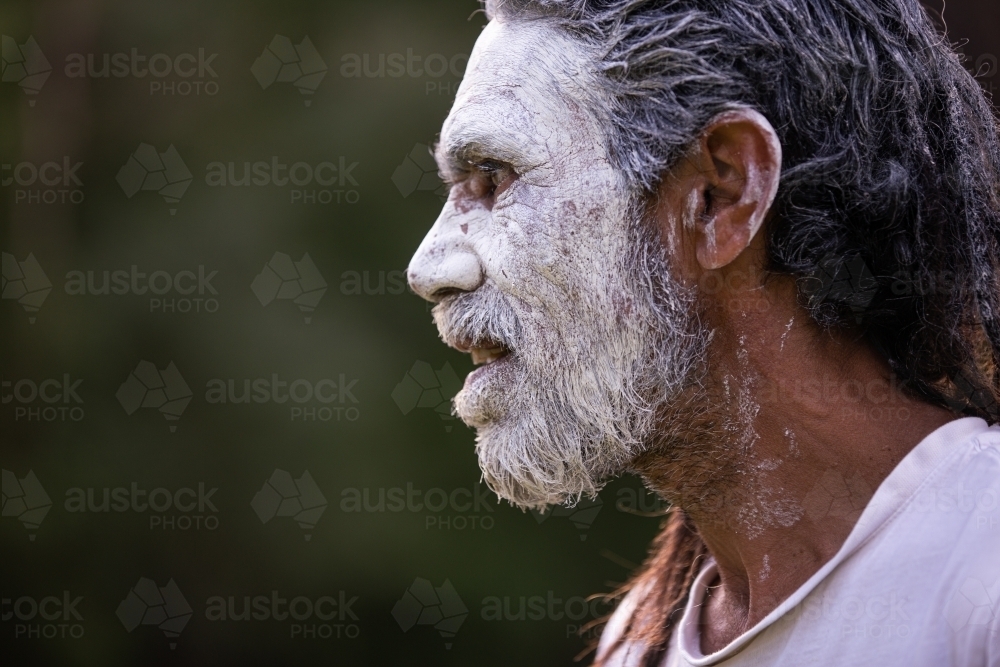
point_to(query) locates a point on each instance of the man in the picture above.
(748, 250)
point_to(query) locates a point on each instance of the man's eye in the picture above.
(498, 174)
(492, 170)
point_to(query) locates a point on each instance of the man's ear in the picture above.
(739, 160)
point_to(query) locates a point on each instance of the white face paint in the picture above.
(550, 279)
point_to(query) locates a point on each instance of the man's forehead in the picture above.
(522, 82)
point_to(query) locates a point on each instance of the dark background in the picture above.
(374, 439)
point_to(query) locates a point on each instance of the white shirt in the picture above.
(916, 583)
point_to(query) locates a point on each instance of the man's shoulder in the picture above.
(987, 440)
(974, 470)
(951, 538)
(952, 519)
(935, 517)
(964, 488)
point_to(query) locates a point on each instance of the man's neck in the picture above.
(804, 426)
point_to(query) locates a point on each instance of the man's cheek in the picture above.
(525, 220)
(527, 240)
(509, 265)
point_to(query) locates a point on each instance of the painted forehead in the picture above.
(523, 99)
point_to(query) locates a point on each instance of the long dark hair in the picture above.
(888, 208)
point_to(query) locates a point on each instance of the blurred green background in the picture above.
(446, 576)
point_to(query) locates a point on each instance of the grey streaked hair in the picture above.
(890, 150)
(888, 208)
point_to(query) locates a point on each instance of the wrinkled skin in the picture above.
(535, 264)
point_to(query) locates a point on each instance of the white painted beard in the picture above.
(576, 398)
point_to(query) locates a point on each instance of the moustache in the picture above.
(484, 318)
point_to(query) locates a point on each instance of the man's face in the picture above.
(543, 270)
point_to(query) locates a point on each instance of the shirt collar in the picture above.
(891, 497)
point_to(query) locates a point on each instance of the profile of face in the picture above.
(543, 267)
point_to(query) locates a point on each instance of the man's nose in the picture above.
(444, 262)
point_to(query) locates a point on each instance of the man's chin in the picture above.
(529, 472)
(516, 485)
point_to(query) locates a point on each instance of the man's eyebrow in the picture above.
(457, 154)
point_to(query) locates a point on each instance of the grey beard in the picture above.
(578, 400)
